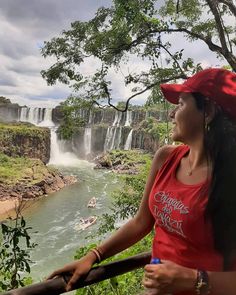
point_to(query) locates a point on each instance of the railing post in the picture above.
(96, 274)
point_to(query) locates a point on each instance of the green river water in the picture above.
(55, 217)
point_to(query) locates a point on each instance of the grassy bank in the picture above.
(15, 170)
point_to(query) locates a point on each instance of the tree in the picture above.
(15, 247)
(139, 29)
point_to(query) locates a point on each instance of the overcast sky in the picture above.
(24, 25)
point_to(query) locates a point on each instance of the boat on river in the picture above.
(86, 222)
(92, 203)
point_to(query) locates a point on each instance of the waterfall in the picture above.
(128, 142)
(112, 134)
(32, 115)
(90, 117)
(59, 157)
(42, 117)
(108, 139)
(47, 119)
(118, 116)
(118, 138)
(54, 149)
(147, 115)
(128, 120)
(103, 113)
(23, 114)
(87, 140)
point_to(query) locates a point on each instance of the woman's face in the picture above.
(188, 120)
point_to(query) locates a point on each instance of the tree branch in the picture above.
(176, 61)
(181, 76)
(219, 25)
(230, 5)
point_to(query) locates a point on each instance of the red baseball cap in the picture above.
(218, 85)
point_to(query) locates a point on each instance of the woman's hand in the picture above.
(168, 278)
(77, 268)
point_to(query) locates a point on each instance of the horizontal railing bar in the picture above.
(96, 274)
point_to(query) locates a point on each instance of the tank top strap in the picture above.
(173, 160)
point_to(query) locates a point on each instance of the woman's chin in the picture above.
(174, 136)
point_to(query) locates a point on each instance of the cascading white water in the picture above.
(23, 114)
(87, 140)
(147, 115)
(47, 119)
(54, 148)
(42, 117)
(118, 137)
(113, 138)
(90, 117)
(114, 131)
(108, 138)
(32, 115)
(117, 119)
(128, 142)
(128, 120)
(57, 155)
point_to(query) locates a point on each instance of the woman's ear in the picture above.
(210, 111)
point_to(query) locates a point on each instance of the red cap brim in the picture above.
(171, 92)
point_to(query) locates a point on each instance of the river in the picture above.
(55, 217)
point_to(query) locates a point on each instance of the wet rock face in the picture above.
(28, 142)
(8, 111)
(53, 182)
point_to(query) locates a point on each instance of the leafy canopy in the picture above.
(139, 30)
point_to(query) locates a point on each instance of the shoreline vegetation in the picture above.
(24, 178)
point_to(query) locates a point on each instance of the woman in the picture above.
(188, 196)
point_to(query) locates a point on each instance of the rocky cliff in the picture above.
(25, 140)
(108, 130)
(8, 111)
(103, 130)
(24, 178)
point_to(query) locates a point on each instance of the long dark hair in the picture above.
(220, 147)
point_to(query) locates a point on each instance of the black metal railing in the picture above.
(96, 274)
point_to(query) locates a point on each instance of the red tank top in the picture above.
(182, 234)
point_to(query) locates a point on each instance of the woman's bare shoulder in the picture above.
(162, 154)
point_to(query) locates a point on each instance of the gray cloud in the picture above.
(24, 70)
(45, 16)
(24, 26)
(15, 50)
(4, 82)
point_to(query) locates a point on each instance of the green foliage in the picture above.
(72, 119)
(15, 247)
(126, 200)
(130, 157)
(13, 130)
(11, 169)
(4, 100)
(159, 130)
(126, 284)
(139, 30)
(16, 169)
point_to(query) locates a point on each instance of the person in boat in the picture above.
(90, 220)
(92, 203)
(189, 197)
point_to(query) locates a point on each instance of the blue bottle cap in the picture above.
(155, 261)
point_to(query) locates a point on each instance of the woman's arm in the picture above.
(169, 277)
(222, 282)
(130, 233)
